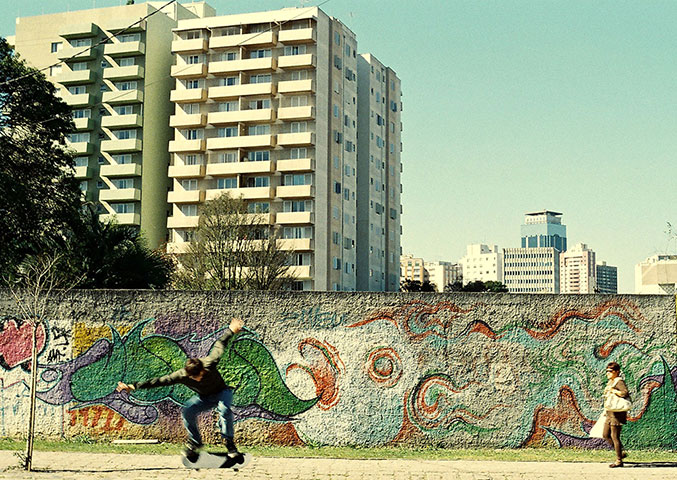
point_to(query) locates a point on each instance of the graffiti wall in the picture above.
(367, 369)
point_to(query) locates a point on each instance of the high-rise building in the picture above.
(413, 268)
(577, 269)
(534, 268)
(607, 279)
(112, 66)
(482, 263)
(378, 175)
(443, 273)
(266, 107)
(657, 275)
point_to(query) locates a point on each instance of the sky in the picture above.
(517, 106)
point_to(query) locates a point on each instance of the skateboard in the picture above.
(217, 460)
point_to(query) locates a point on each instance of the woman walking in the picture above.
(615, 419)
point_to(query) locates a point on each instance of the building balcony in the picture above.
(121, 218)
(126, 145)
(296, 165)
(182, 221)
(235, 168)
(296, 218)
(177, 248)
(186, 196)
(197, 70)
(124, 49)
(120, 195)
(82, 173)
(301, 138)
(244, 65)
(80, 54)
(296, 113)
(131, 72)
(188, 120)
(245, 39)
(186, 171)
(296, 86)
(235, 91)
(78, 77)
(252, 193)
(180, 146)
(79, 100)
(295, 191)
(296, 61)
(296, 244)
(263, 115)
(244, 141)
(81, 30)
(188, 95)
(84, 124)
(302, 35)
(121, 121)
(81, 148)
(120, 170)
(123, 96)
(193, 45)
(301, 272)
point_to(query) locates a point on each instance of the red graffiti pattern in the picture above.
(16, 343)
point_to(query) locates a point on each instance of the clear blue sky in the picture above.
(515, 106)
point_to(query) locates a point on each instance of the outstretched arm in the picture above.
(219, 347)
(171, 379)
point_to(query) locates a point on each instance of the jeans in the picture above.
(197, 404)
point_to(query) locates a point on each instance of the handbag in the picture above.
(614, 403)
(597, 430)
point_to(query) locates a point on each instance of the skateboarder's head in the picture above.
(194, 368)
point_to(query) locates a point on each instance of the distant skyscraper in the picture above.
(577, 270)
(607, 279)
(534, 268)
(482, 263)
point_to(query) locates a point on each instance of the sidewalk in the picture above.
(82, 466)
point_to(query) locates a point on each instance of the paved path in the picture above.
(83, 466)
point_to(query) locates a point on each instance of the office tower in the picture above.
(113, 70)
(265, 107)
(657, 275)
(378, 175)
(482, 263)
(534, 268)
(607, 279)
(578, 272)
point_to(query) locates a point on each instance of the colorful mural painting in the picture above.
(443, 370)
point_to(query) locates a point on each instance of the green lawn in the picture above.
(516, 455)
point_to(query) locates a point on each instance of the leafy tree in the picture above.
(457, 286)
(233, 249)
(417, 286)
(39, 196)
(495, 287)
(476, 286)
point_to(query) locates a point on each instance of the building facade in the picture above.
(379, 167)
(412, 268)
(443, 273)
(607, 279)
(113, 70)
(578, 270)
(482, 263)
(657, 275)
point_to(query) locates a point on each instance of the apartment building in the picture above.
(482, 263)
(379, 170)
(657, 275)
(578, 270)
(443, 273)
(413, 268)
(266, 107)
(535, 267)
(113, 70)
(607, 279)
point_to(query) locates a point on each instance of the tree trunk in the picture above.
(34, 383)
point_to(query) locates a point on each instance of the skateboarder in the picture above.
(201, 376)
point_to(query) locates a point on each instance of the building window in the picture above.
(259, 156)
(259, 130)
(132, 37)
(262, 53)
(56, 47)
(126, 62)
(189, 185)
(123, 159)
(224, 132)
(189, 210)
(259, 104)
(123, 207)
(295, 153)
(260, 78)
(295, 50)
(298, 179)
(230, 182)
(228, 106)
(82, 113)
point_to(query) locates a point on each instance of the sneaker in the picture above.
(232, 449)
(191, 453)
(616, 464)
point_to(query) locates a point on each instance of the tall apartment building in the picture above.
(482, 263)
(119, 92)
(578, 270)
(657, 275)
(379, 168)
(443, 273)
(266, 107)
(413, 268)
(607, 279)
(534, 268)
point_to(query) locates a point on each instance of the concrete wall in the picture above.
(451, 370)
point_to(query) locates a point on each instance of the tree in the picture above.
(476, 286)
(233, 249)
(495, 287)
(457, 286)
(39, 196)
(417, 286)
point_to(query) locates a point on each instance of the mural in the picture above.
(445, 373)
